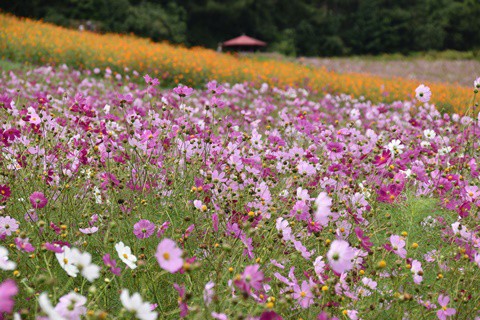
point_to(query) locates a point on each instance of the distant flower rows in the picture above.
(38, 42)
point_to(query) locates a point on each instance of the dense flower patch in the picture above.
(233, 201)
(38, 42)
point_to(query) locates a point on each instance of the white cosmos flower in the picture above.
(67, 261)
(47, 307)
(444, 150)
(407, 172)
(425, 144)
(395, 147)
(97, 194)
(84, 263)
(429, 134)
(126, 255)
(73, 262)
(6, 264)
(136, 305)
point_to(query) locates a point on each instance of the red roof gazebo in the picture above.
(244, 43)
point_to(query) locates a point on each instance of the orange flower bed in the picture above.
(25, 40)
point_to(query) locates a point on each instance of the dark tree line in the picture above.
(297, 27)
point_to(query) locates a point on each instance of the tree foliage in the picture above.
(302, 27)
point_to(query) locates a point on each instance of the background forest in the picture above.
(301, 27)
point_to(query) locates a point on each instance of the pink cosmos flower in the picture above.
(340, 256)
(38, 200)
(54, 247)
(219, 316)
(369, 283)
(444, 312)
(423, 93)
(324, 316)
(162, 229)
(323, 203)
(90, 230)
(112, 264)
(93, 220)
(303, 294)
(364, 240)
(31, 216)
(215, 222)
(8, 225)
(183, 91)
(336, 150)
(476, 83)
(352, 314)
(398, 246)
(71, 306)
(282, 226)
(319, 266)
(251, 277)
(208, 293)
(169, 255)
(143, 229)
(151, 81)
(24, 245)
(214, 88)
(8, 289)
(417, 271)
(181, 300)
(472, 193)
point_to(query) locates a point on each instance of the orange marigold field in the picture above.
(25, 40)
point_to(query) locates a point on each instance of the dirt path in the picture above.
(463, 72)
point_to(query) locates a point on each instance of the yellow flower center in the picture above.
(166, 256)
(65, 260)
(125, 256)
(303, 294)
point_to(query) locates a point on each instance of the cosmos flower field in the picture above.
(122, 200)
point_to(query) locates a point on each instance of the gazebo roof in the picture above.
(244, 40)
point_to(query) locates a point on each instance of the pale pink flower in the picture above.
(444, 312)
(169, 255)
(322, 212)
(398, 245)
(340, 256)
(303, 294)
(423, 93)
(417, 271)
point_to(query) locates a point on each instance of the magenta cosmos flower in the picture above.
(169, 255)
(423, 93)
(183, 91)
(8, 289)
(112, 264)
(252, 277)
(340, 256)
(143, 229)
(24, 244)
(5, 192)
(38, 200)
